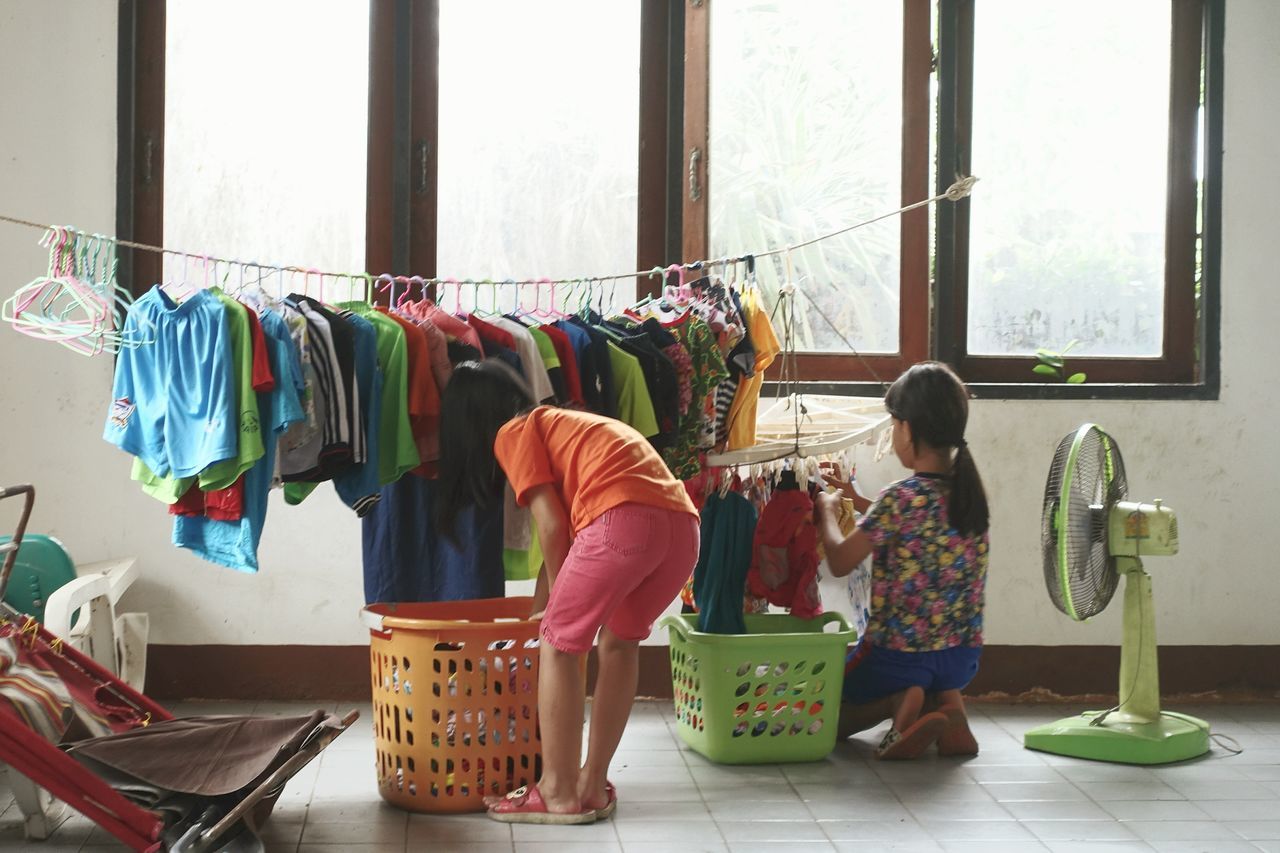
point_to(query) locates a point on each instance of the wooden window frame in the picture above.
(401, 213)
(913, 311)
(1183, 329)
(933, 317)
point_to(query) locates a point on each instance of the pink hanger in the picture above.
(408, 288)
(387, 282)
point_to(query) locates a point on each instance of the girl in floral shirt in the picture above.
(927, 538)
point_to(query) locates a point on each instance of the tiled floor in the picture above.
(671, 799)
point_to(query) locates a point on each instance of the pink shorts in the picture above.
(622, 571)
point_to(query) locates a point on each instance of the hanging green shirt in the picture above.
(631, 395)
(397, 452)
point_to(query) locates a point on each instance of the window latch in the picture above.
(695, 187)
(423, 149)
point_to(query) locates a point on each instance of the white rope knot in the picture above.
(961, 188)
(788, 287)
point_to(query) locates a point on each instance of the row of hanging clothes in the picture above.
(225, 392)
(760, 546)
(659, 365)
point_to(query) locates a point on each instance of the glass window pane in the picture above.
(1070, 134)
(266, 126)
(806, 137)
(539, 130)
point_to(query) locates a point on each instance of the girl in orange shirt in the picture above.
(619, 537)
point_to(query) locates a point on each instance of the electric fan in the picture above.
(1090, 536)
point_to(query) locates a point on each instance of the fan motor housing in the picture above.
(1142, 530)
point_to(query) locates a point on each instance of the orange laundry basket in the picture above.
(455, 701)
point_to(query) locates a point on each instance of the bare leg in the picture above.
(560, 711)
(909, 704)
(610, 708)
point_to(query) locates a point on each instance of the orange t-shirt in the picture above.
(596, 463)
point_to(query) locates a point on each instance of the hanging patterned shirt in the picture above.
(708, 370)
(927, 579)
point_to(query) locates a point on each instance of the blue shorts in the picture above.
(872, 672)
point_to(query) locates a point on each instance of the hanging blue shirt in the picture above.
(235, 543)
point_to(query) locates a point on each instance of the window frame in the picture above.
(1177, 364)
(401, 216)
(914, 256)
(1178, 373)
(401, 213)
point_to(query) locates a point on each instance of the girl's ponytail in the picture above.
(968, 504)
(933, 401)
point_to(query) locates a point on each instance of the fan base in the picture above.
(1174, 737)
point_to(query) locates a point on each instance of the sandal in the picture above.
(919, 736)
(525, 805)
(612, 806)
(957, 738)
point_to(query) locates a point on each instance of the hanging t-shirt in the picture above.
(405, 560)
(720, 576)
(707, 372)
(357, 485)
(344, 412)
(322, 455)
(173, 400)
(630, 399)
(742, 414)
(397, 452)
(424, 398)
(535, 371)
(568, 363)
(596, 353)
(595, 463)
(235, 544)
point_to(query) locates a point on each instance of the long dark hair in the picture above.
(935, 404)
(480, 397)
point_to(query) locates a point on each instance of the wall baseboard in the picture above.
(1009, 673)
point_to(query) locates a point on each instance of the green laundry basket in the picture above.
(770, 696)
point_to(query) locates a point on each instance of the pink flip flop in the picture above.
(612, 806)
(525, 805)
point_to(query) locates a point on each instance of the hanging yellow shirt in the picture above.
(742, 413)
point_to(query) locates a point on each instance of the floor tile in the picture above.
(669, 831)
(1181, 830)
(568, 847)
(1256, 830)
(959, 811)
(975, 830)
(1015, 792)
(1098, 847)
(1057, 810)
(771, 830)
(1152, 810)
(898, 832)
(1152, 789)
(673, 799)
(665, 847)
(782, 847)
(1080, 830)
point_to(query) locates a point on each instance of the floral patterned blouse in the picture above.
(927, 580)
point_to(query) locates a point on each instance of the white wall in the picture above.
(1213, 461)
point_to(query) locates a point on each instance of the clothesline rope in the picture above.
(962, 188)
